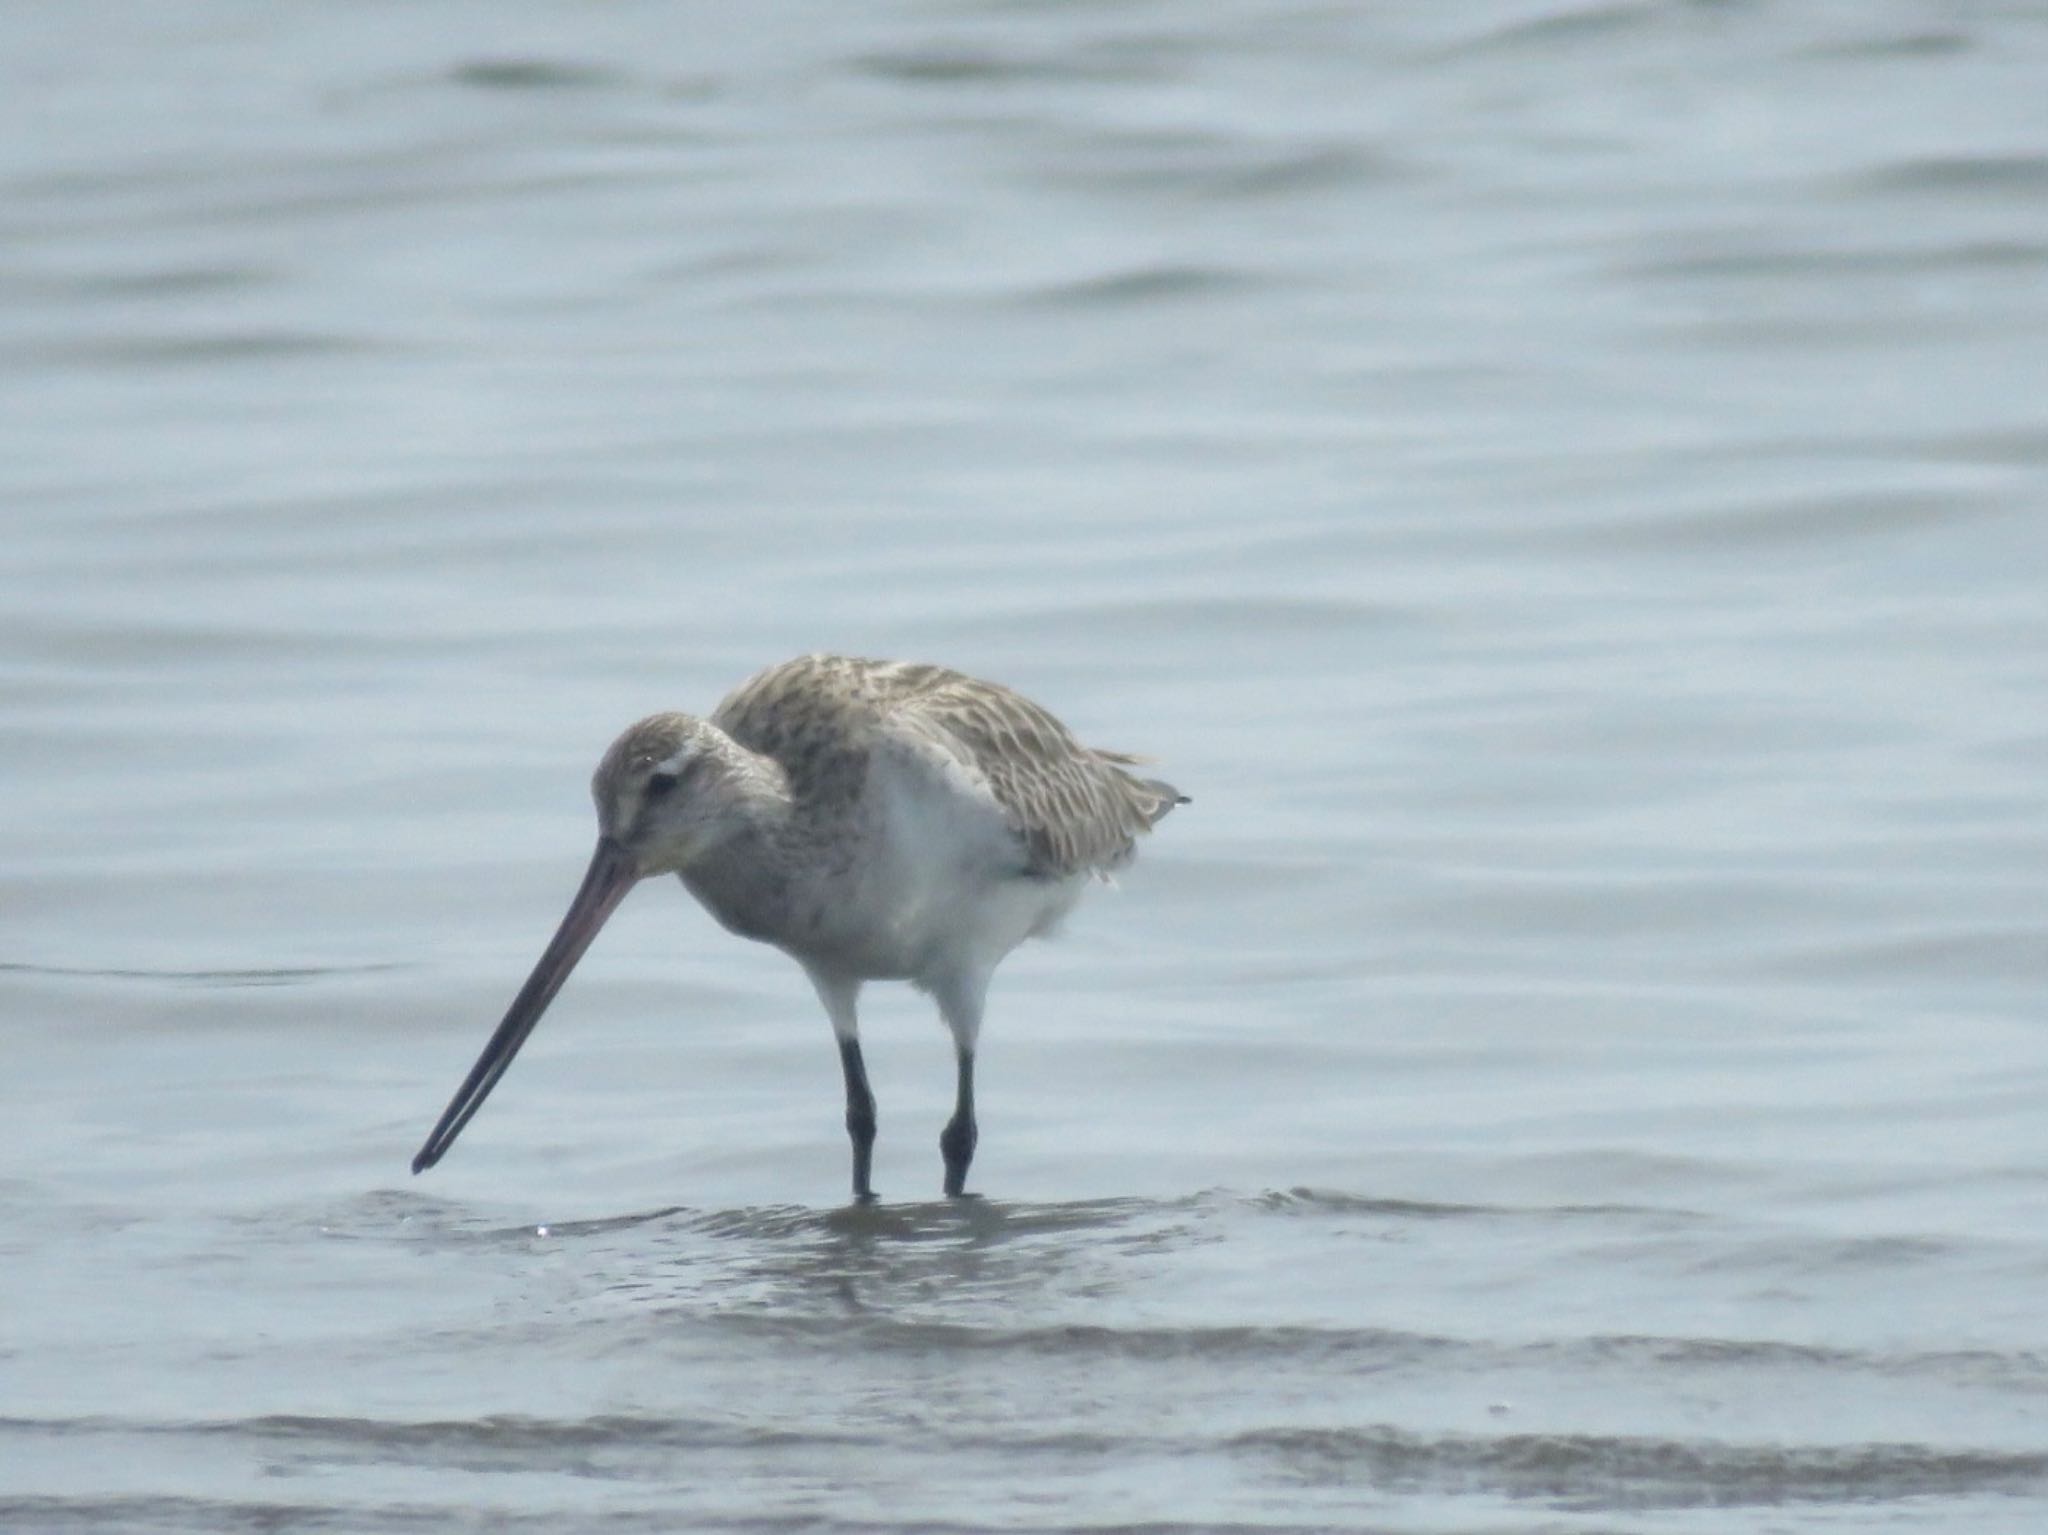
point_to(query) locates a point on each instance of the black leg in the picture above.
(860, 1117)
(956, 1142)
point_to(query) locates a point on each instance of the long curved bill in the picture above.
(611, 874)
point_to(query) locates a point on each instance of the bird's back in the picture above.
(824, 719)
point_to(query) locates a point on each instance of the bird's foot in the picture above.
(956, 1145)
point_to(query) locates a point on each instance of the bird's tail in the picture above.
(1158, 796)
(1164, 797)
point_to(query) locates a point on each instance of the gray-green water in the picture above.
(1563, 489)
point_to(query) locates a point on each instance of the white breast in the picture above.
(939, 887)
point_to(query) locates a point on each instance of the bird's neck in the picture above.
(743, 878)
(756, 789)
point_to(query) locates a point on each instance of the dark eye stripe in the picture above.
(659, 784)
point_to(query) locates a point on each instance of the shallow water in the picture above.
(1561, 487)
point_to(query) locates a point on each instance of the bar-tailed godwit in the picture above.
(874, 820)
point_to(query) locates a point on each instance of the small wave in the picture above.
(207, 349)
(1595, 1471)
(994, 1221)
(1327, 1201)
(1577, 1471)
(1365, 1350)
(1931, 43)
(1959, 175)
(160, 281)
(227, 1516)
(1565, 28)
(1141, 285)
(1770, 264)
(507, 1433)
(215, 1516)
(983, 1223)
(1215, 166)
(952, 65)
(274, 975)
(1787, 522)
(532, 74)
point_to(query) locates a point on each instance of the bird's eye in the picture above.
(659, 784)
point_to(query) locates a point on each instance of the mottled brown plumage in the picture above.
(1073, 808)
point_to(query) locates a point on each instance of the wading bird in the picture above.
(874, 820)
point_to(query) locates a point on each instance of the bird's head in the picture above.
(670, 789)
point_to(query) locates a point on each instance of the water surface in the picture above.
(1561, 486)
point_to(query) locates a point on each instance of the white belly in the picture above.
(938, 887)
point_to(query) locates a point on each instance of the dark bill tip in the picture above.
(611, 874)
